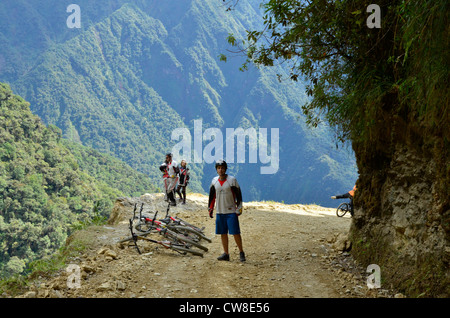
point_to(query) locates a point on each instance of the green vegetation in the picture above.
(137, 70)
(44, 267)
(104, 102)
(386, 90)
(353, 70)
(111, 93)
(110, 170)
(47, 188)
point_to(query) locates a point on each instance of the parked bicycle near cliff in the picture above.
(345, 207)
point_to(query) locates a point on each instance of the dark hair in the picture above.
(221, 163)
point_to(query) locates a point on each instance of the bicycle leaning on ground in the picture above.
(175, 238)
(174, 224)
(182, 226)
(177, 246)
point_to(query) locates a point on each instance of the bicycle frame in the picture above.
(166, 244)
(164, 223)
(153, 223)
(178, 221)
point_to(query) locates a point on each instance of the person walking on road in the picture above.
(170, 176)
(183, 181)
(225, 195)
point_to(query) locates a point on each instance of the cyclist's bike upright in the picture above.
(343, 208)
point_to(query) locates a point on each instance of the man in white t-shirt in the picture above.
(170, 177)
(225, 195)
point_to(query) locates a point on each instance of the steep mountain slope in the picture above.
(138, 70)
(103, 102)
(45, 189)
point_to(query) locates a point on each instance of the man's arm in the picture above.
(212, 200)
(175, 167)
(237, 194)
(163, 167)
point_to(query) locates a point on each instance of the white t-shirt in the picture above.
(170, 169)
(225, 195)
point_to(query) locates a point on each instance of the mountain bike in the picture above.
(174, 224)
(146, 226)
(179, 247)
(180, 221)
(343, 208)
(185, 227)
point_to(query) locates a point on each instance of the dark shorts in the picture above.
(227, 223)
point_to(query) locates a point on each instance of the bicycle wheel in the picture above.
(184, 250)
(178, 237)
(127, 239)
(174, 246)
(131, 238)
(342, 209)
(190, 232)
(182, 222)
(143, 227)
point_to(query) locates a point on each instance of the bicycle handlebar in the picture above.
(154, 218)
(134, 236)
(140, 211)
(134, 211)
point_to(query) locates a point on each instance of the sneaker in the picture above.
(242, 256)
(224, 257)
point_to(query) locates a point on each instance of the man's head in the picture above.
(221, 167)
(168, 157)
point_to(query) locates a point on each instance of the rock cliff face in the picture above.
(401, 220)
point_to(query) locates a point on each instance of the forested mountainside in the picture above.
(137, 70)
(50, 186)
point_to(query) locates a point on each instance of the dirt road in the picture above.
(292, 251)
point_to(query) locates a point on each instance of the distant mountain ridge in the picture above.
(137, 70)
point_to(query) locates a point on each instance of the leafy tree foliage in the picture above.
(387, 91)
(354, 70)
(380, 87)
